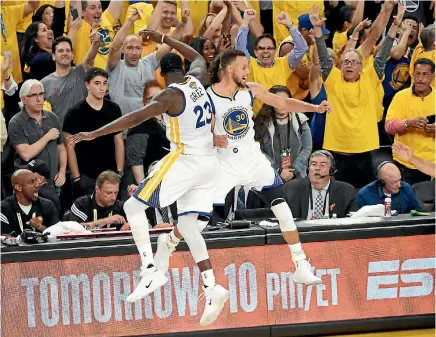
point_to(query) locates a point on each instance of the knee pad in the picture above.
(187, 223)
(202, 222)
(134, 206)
(284, 214)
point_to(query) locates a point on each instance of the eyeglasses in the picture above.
(266, 48)
(351, 62)
(36, 94)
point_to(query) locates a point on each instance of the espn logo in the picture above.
(419, 272)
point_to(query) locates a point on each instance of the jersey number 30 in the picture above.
(201, 121)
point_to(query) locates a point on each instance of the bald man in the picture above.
(388, 185)
(25, 209)
(127, 77)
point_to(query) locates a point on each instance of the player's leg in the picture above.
(268, 181)
(148, 194)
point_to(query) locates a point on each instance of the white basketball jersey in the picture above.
(234, 117)
(190, 131)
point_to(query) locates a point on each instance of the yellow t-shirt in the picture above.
(406, 105)
(82, 43)
(199, 9)
(339, 41)
(366, 63)
(278, 74)
(294, 9)
(351, 126)
(419, 53)
(11, 15)
(299, 88)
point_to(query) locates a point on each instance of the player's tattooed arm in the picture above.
(289, 104)
(160, 103)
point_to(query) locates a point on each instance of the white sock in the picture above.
(174, 240)
(297, 252)
(208, 278)
(135, 212)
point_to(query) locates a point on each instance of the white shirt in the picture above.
(324, 196)
(25, 209)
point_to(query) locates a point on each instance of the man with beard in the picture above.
(66, 86)
(319, 196)
(241, 161)
(25, 209)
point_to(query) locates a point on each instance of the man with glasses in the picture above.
(36, 133)
(351, 128)
(266, 68)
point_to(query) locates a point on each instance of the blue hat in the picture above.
(304, 22)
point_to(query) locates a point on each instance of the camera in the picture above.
(30, 236)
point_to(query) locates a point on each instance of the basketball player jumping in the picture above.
(185, 175)
(241, 160)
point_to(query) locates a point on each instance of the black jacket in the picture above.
(342, 197)
(11, 214)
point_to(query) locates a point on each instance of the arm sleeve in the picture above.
(16, 134)
(4, 220)
(58, 22)
(300, 48)
(324, 57)
(382, 57)
(78, 213)
(241, 41)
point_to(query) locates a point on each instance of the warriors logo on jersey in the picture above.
(236, 122)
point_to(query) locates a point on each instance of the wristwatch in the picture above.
(120, 174)
(406, 123)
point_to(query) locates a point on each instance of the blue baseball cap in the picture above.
(304, 22)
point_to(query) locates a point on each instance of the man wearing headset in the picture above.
(319, 196)
(389, 185)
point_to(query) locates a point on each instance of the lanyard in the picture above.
(20, 220)
(94, 211)
(325, 199)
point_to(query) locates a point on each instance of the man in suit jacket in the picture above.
(319, 196)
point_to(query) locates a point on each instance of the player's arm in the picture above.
(288, 104)
(159, 104)
(198, 64)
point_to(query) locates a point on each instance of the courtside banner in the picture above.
(366, 278)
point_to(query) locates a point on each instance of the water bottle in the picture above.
(388, 207)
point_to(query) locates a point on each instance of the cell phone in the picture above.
(8, 55)
(74, 13)
(431, 119)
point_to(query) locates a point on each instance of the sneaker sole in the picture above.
(319, 281)
(210, 320)
(132, 298)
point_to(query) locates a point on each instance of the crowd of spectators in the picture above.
(73, 66)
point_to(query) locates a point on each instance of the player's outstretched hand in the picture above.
(220, 141)
(324, 107)
(81, 136)
(150, 34)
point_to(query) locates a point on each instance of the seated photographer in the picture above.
(101, 209)
(319, 196)
(389, 185)
(25, 209)
(42, 172)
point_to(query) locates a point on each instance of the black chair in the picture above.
(6, 171)
(66, 216)
(425, 193)
(384, 153)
